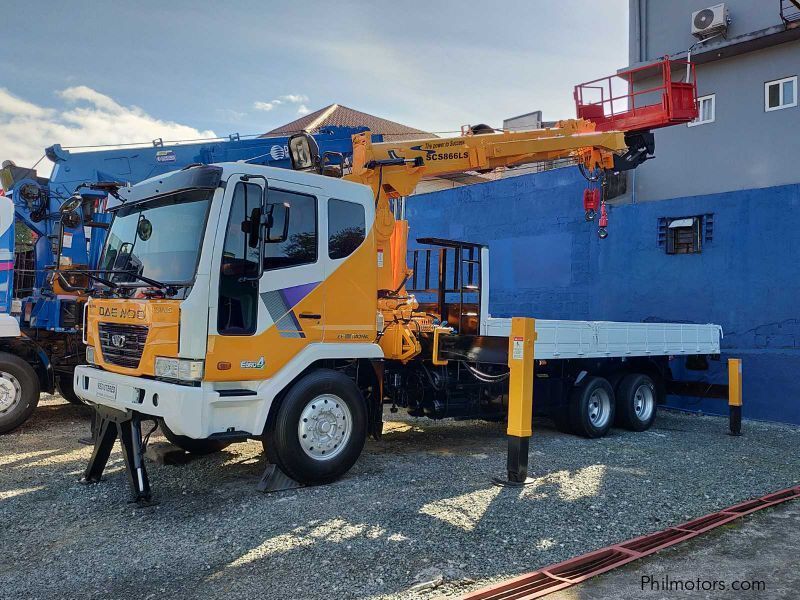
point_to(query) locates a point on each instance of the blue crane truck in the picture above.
(64, 220)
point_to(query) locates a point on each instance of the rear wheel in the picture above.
(67, 390)
(636, 402)
(320, 428)
(591, 407)
(19, 391)
(192, 445)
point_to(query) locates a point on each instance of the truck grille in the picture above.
(127, 351)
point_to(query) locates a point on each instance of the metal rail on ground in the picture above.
(580, 568)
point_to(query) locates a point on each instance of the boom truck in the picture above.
(285, 310)
(41, 300)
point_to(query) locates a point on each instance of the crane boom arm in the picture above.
(399, 166)
(393, 170)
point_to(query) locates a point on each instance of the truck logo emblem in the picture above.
(118, 341)
(252, 364)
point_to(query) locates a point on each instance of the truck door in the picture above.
(261, 325)
(350, 274)
(291, 287)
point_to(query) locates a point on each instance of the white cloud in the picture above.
(87, 118)
(266, 106)
(230, 116)
(285, 99)
(295, 98)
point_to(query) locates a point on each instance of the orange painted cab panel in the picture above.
(157, 320)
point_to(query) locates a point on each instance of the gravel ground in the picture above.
(417, 517)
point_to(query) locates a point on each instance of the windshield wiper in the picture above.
(142, 278)
(91, 275)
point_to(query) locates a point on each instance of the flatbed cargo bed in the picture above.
(557, 339)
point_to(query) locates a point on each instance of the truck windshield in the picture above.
(157, 239)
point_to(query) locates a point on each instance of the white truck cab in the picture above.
(222, 285)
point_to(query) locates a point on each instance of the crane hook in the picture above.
(602, 222)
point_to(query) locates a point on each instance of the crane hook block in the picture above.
(591, 202)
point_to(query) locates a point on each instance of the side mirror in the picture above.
(303, 152)
(333, 164)
(71, 204)
(253, 226)
(282, 225)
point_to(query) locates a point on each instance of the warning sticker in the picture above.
(518, 348)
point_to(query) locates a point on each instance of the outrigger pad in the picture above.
(128, 428)
(275, 480)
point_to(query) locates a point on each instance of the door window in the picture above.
(238, 299)
(300, 246)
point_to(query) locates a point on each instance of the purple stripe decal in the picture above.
(6, 265)
(293, 295)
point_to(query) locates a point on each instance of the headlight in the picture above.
(179, 368)
(90, 355)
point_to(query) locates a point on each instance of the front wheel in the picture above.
(19, 391)
(192, 445)
(320, 428)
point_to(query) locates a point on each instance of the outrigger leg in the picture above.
(128, 427)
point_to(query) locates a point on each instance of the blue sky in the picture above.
(100, 72)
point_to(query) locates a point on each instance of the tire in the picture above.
(19, 391)
(66, 388)
(591, 408)
(192, 445)
(320, 428)
(561, 418)
(637, 402)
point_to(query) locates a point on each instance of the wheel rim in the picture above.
(325, 427)
(10, 392)
(644, 402)
(599, 408)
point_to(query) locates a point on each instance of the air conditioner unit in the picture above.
(710, 21)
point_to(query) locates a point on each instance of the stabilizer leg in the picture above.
(105, 434)
(520, 401)
(275, 480)
(130, 436)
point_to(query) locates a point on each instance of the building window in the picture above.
(706, 110)
(685, 235)
(781, 93)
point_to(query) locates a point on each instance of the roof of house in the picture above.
(336, 114)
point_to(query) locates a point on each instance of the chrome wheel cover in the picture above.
(644, 402)
(10, 392)
(599, 408)
(325, 427)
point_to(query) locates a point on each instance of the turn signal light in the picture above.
(223, 366)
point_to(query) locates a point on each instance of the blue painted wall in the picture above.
(547, 262)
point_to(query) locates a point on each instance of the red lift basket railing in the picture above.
(644, 98)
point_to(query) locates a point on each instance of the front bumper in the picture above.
(192, 411)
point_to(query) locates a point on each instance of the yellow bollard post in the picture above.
(520, 397)
(735, 395)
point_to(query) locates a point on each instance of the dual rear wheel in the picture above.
(595, 405)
